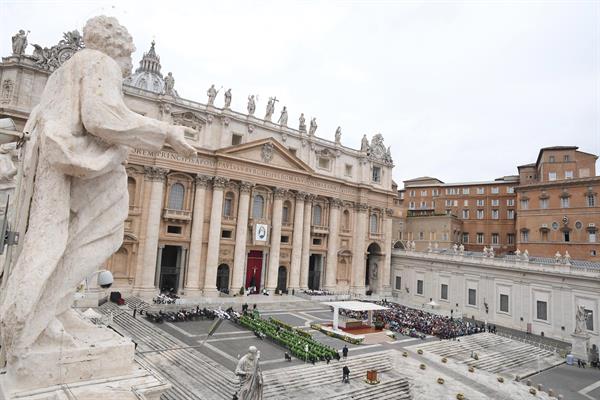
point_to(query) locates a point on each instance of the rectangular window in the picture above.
(174, 229)
(524, 236)
(495, 190)
(444, 292)
(465, 214)
(480, 203)
(566, 236)
(544, 203)
(480, 190)
(445, 236)
(411, 205)
(423, 193)
(226, 234)
(480, 238)
(398, 282)
(472, 297)
(465, 191)
(510, 202)
(495, 202)
(564, 202)
(465, 238)
(317, 242)
(412, 193)
(236, 139)
(348, 170)
(510, 238)
(589, 320)
(324, 164)
(504, 303)
(479, 214)
(592, 237)
(419, 286)
(285, 239)
(510, 189)
(495, 238)
(566, 158)
(551, 159)
(495, 214)
(466, 203)
(551, 176)
(376, 174)
(568, 174)
(591, 200)
(421, 236)
(524, 204)
(542, 310)
(423, 204)
(435, 192)
(510, 214)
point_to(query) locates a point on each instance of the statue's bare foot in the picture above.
(55, 332)
(73, 321)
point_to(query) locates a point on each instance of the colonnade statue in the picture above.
(74, 188)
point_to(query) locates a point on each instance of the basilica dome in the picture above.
(148, 75)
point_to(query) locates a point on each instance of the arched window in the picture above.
(131, 190)
(373, 223)
(258, 206)
(285, 217)
(317, 215)
(176, 197)
(228, 205)
(346, 220)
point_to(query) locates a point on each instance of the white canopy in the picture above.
(356, 305)
(432, 303)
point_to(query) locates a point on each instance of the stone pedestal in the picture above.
(580, 346)
(95, 353)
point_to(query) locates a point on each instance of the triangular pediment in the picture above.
(265, 152)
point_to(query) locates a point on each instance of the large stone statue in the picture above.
(251, 105)
(74, 190)
(227, 98)
(19, 42)
(283, 118)
(212, 94)
(580, 320)
(169, 84)
(338, 134)
(270, 108)
(302, 123)
(313, 127)
(364, 144)
(251, 380)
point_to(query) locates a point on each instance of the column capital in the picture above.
(361, 207)
(153, 173)
(219, 182)
(202, 180)
(246, 187)
(301, 196)
(389, 212)
(335, 203)
(310, 198)
(279, 193)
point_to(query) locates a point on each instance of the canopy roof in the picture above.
(356, 305)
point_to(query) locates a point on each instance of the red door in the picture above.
(254, 269)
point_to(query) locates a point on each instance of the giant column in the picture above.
(214, 236)
(332, 244)
(384, 283)
(278, 194)
(147, 267)
(241, 237)
(192, 282)
(305, 259)
(358, 252)
(297, 239)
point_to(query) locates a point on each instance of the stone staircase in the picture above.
(496, 354)
(391, 390)
(312, 381)
(192, 374)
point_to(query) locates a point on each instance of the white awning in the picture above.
(356, 305)
(432, 303)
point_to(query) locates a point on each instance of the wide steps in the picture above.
(398, 389)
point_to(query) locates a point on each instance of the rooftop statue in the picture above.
(338, 134)
(19, 42)
(313, 126)
(74, 188)
(169, 84)
(364, 144)
(212, 94)
(302, 123)
(227, 98)
(283, 118)
(251, 105)
(270, 108)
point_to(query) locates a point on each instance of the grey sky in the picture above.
(460, 90)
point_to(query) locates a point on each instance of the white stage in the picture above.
(353, 306)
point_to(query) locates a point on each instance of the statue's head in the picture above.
(21, 31)
(252, 351)
(105, 34)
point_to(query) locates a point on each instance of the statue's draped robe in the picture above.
(251, 379)
(74, 191)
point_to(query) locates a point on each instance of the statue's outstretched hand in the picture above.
(176, 138)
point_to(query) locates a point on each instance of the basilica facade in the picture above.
(261, 206)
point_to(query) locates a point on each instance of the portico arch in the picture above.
(373, 270)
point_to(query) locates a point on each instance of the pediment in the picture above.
(266, 152)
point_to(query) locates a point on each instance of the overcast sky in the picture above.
(461, 90)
